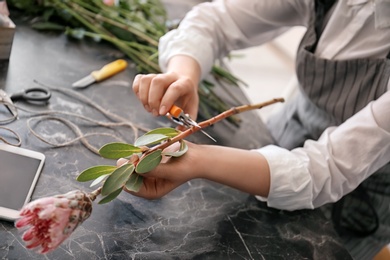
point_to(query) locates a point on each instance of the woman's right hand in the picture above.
(179, 86)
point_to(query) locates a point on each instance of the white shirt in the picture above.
(324, 170)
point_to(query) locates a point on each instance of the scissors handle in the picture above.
(178, 116)
(32, 94)
(176, 111)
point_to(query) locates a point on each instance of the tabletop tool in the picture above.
(98, 75)
(36, 95)
(33, 95)
(177, 115)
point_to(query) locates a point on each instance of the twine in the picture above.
(16, 136)
(47, 115)
(12, 116)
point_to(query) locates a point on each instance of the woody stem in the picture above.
(213, 120)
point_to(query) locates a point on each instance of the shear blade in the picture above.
(191, 122)
(209, 136)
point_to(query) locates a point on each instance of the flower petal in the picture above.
(29, 234)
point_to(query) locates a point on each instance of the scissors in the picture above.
(32, 95)
(177, 115)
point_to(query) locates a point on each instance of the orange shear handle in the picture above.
(175, 111)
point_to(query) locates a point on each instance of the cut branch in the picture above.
(213, 120)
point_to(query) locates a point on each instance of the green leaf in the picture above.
(95, 172)
(170, 132)
(117, 179)
(182, 150)
(111, 196)
(149, 162)
(134, 183)
(118, 150)
(149, 139)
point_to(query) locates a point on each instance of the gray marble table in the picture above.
(199, 220)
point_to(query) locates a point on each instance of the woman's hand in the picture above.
(171, 173)
(159, 92)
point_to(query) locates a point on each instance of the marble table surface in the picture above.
(199, 220)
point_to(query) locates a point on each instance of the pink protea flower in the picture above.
(49, 221)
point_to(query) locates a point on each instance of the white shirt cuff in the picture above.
(291, 185)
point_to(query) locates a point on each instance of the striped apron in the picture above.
(331, 91)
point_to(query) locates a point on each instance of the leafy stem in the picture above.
(146, 154)
(120, 23)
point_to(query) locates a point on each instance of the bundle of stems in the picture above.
(132, 26)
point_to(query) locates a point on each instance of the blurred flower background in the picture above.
(132, 26)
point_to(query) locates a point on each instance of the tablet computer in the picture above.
(19, 172)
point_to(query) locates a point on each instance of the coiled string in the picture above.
(53, 115)
(14, 136)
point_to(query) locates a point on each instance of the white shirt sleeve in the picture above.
(211, 30)
(323, 171)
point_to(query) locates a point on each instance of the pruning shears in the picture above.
(177, 115)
